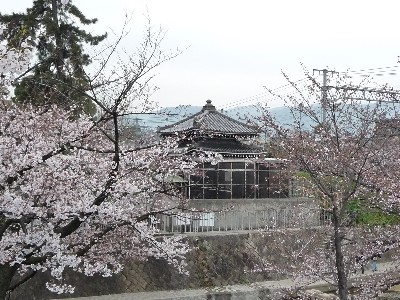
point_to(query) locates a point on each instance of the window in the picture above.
(239, 180)
(227, 177)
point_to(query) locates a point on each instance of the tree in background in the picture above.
(58, 75)
(73, 193)
(342, 149)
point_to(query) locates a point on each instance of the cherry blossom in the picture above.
(344, 152)
(74, 194)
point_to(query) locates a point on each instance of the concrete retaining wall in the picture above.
(216, 260)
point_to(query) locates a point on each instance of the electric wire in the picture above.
(288, 90)
(379, 71)
(252, 99)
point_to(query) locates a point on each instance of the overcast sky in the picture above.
(234, 48)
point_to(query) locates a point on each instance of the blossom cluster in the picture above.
(13, 62)
(72, 196)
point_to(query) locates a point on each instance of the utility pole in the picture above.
(324, 89)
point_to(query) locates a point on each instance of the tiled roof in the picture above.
(209, 120)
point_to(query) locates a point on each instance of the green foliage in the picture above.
(371, 216)
(59, 76)
(359, 210)
(303, 175)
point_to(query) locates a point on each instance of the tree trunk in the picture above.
(59, 58)
(6, 274)
(339, 259)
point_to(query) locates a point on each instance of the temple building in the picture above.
(253, 189)
(244, 172)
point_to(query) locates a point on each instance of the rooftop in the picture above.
(209, 120)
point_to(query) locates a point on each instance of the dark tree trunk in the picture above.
(339, 259)
(6, 274)
(59, 59)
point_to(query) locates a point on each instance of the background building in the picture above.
(245, 189)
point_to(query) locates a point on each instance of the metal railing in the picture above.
(182, 222)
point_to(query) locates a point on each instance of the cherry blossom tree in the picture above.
(73, 192)
(345, 151)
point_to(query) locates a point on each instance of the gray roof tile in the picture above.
(210, 121)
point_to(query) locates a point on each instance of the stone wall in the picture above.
(216, 260)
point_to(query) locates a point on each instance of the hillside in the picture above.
(282, 114)
(170, 115)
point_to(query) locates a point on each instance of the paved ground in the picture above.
(249, 291)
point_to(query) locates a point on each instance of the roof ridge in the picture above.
(231, 119)
(181, 121)
(210, 120)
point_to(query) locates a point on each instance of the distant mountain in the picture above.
(170, 115)
(161, 117)
(252, 112)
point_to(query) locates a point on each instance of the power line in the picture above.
(258, 96)
(368, 94)
(379, 71)
(356, 93)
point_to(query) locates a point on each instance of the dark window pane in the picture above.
(210, 192)
(263, 191)
(224, 165)
(208, 165)
(210, 176)
(238, 191)
(238, 165)
(238, 177)
(224, 192)
(196, 192)
(224, 177)
(196, 179)
(263, 177)
(250, 177)
(250, 191)
(262, 167)
(249, 166)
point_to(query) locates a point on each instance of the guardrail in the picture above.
(182, 222)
